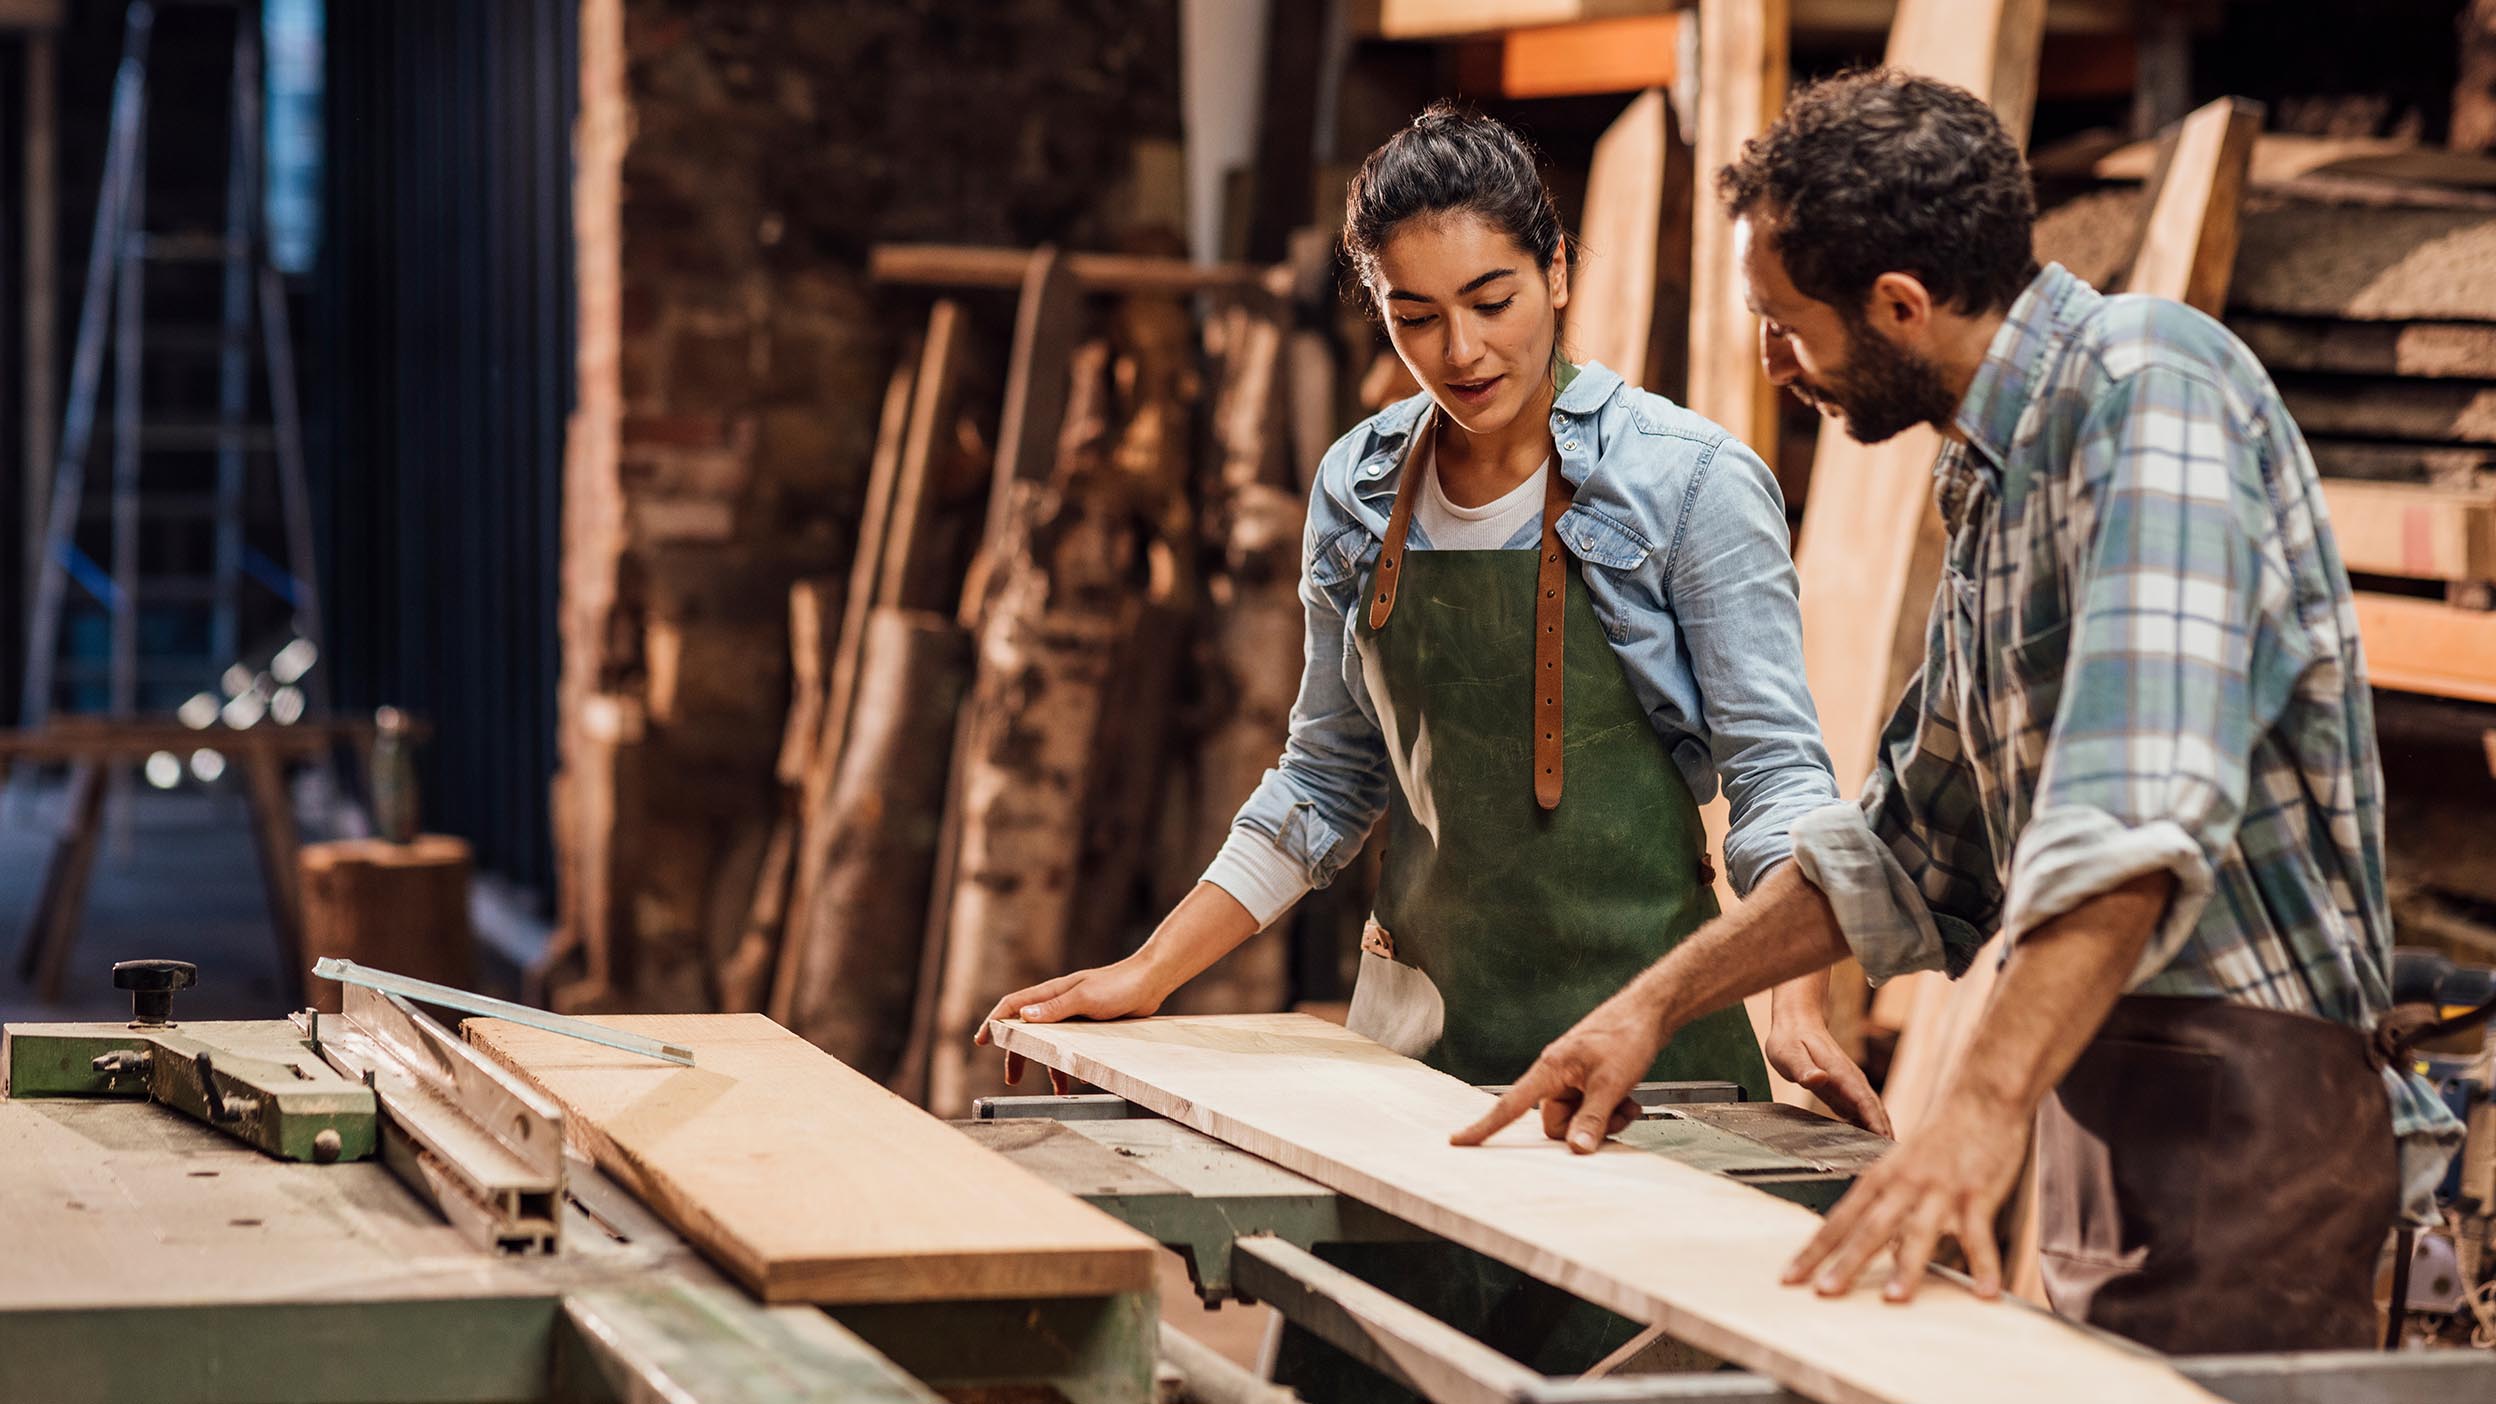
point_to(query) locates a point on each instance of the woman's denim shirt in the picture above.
(1681, 534)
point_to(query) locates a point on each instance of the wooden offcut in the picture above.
(806, 1181)
(2188, 246)
(1612, 303)
(1742, 68)
(401, 907)
(1641, 1234)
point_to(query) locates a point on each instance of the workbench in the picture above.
(150, 1256)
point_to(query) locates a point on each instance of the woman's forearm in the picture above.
(1206, 925)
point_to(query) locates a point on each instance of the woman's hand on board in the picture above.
(1124, 989)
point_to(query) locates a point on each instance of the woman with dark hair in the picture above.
(1548, 614)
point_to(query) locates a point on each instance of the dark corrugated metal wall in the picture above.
(440, 361)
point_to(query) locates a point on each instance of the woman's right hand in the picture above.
(1125, 989)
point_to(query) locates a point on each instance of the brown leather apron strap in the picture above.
(1549, 583)
(1550, 601)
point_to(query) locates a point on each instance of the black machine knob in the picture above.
(151, 984)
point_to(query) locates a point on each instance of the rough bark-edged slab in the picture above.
(805, 1180)
(2370, 264)
(852, 953)
(1641, 1234)
(2428, 410)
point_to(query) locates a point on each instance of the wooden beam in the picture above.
(2425, 350)
(1457, 19)
(1574, 60)
(1611, 312)
(1742, 82)
(806, 1181)
(2354, 262)
(2188, 245)
(1638, 1233)
(2415, 645)
(2431, 411)
(978, 266)
(2426, 533)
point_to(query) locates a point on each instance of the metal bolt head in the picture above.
(326, 1145)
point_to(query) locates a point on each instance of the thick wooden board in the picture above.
(1643, 1235)
(2434, 350)
(2417, 645)
(2188, 247)
(1574, 60)
(1612, 307)
(806, 1181)
(2427, 533)
(2433, 411)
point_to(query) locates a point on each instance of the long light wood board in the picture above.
(1695, 1253)
(806, 1181)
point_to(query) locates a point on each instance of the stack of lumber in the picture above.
(2366, 282)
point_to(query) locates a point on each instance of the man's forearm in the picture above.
(2061, 981)
(1784, 930)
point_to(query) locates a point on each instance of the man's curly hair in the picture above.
(1878, 171)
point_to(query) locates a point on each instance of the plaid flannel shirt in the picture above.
(2143, 658)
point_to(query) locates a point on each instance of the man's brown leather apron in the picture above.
(2218, 1178)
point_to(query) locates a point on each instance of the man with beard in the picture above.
(2140, 747)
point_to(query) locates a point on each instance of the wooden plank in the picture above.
(2368, 264)
(1643, 1235)
(2188, 245)
(2415, 645)
(2440, 411)
(2426, 533)
(1047, 323)
(2428, 350)
(2443, 465)
(805, 1180)
(1611, 312)
(975, 266)
(1576, 60)
(1450, 19)
(2280, 158)
(1742, 81)
(903, 567)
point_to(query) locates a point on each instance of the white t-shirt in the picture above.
(1252, 867)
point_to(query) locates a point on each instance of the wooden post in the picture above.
(396, 907)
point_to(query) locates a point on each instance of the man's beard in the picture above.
(1883, 389)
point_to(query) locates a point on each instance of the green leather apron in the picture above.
(1500, 923)
(1507, 922)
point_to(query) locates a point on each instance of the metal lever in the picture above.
(347, 972)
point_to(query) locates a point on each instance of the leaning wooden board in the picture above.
(807, 1181)
(1652, 1239)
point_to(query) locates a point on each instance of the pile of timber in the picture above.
(2366, 283)
(1060, 657)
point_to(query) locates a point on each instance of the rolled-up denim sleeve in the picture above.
(1908, 868)
(1319, 802)
(1737, 606)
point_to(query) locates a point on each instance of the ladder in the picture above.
(205, 652)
